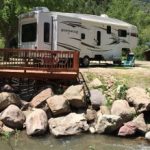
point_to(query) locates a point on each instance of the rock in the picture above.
(92, 130)
(40, 99)
(6, 129)
(138, 98)
(24, 104)
(7, 88)
(122, 109)
(69, 125)
(97, 98)
(108, 123)
(104, 110)
(90, 115)
(140, 123)
(128, 129)
(96, 83)
(147, 136)
(13, 117)
(58, 104)
(75, 95)
(36, 122)
(7, 99)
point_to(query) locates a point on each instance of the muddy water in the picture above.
(80, 142)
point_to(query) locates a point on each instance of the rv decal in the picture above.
(73, 24)
(99, 50)
(116, 40)
(85, 44)
(68, 47)
(69, 31)
(75, 39)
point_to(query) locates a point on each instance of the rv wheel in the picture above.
(86, 61)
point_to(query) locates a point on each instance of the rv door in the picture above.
(45, 34)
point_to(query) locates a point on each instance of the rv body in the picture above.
(95, 37)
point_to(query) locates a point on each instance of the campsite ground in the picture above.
(133, 76)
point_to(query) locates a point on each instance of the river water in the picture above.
(79, 142)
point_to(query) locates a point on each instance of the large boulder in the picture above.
(13, 117)
(40, 99)
(128, 129)
(58, 105)
(97, 98)
(7, 99)
(69, 125)
(140, 123)
(75, 95)
(96, 83)
(108, 123)
(138, 98)
(36, 122)
(122, 109)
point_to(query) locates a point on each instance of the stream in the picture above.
(79, 142)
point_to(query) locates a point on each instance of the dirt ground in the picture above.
(134, 76)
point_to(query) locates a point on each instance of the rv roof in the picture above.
(94, 18)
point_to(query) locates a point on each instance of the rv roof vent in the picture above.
(104, 15)
(42, 9)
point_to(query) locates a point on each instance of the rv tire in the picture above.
(85, 61)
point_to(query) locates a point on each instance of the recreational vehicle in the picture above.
(95, 37)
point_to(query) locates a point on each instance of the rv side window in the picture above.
(98, 38)
(46, 32)
(82, 36)
(108, 29)
(29, 32)
(122, 33)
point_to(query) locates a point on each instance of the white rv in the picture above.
(96, 37)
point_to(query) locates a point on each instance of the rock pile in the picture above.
(69, 113)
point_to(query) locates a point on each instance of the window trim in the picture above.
(108, 29)
(46, 39)
(98, 38)
(122, 33)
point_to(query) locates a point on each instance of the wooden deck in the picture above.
(39, 64)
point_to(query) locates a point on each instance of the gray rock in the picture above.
(140, 123)
(122, 109)
(7, 99)
(69, 125)
(108, 123)
(13, 117)
(7, 88)
(97, 98)
(40, 99)
(96, 83)
(75, 95)
(36, 122)
(138, 98)
(58, 104)
(128, 129)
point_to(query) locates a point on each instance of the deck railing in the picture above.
(39, 60)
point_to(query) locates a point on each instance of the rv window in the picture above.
(108, 29)
(46, 32)
(98, 38)
(82, 36)
(122, 33)
(29, 32)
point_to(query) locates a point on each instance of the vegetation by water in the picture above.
(136, 12)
